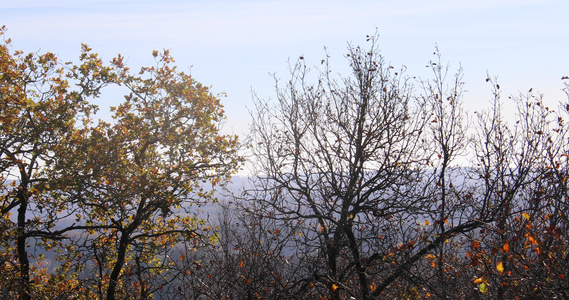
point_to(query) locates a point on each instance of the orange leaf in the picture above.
(506, 248)
(532, 240)
(500, 267)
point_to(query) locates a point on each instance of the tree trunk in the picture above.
(118, 266)
(22, 253)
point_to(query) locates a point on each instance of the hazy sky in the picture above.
(233, 46)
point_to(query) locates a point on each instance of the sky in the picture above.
(235, 46)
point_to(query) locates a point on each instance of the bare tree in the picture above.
(343, 157)
(390, 193)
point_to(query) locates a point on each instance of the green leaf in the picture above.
(483, 288)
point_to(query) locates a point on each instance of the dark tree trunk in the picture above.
(118, 266)
(21, 250)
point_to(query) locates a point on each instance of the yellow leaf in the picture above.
(500, 267)
(334, 287)
(525, 215)
(483, 288)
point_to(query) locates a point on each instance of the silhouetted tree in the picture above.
(390, 193)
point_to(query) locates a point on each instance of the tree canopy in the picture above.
(110, 199)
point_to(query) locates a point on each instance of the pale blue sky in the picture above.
(234, 45)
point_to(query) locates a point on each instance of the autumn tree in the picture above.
(40, 111)
(137, 179)
(522, 253)
(107, 201)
